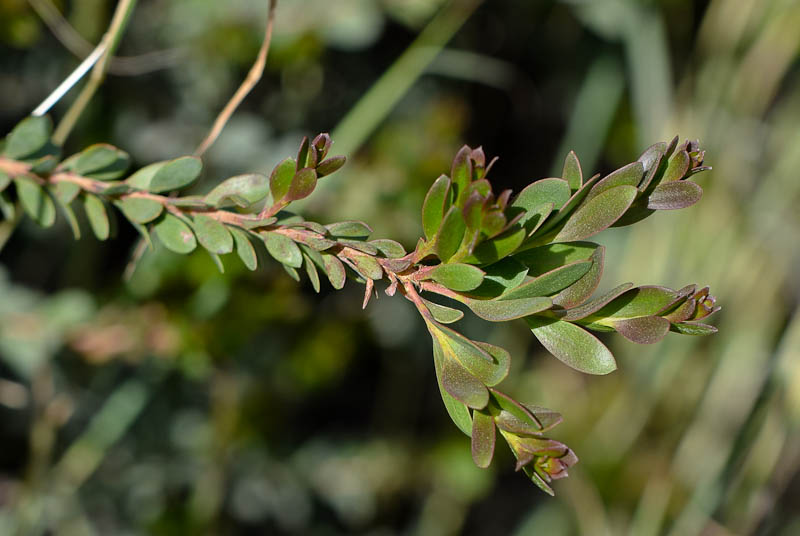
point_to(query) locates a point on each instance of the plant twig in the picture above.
(252, 78)
(81, 48)
(111, 41)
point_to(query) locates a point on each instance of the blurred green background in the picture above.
(184, 401)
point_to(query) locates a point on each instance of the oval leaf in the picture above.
(242, 190)
(450, 234)
(483, 439)
(674, 195)
(175, 234)
(29, 136)
(572, 171)
(36, 201)
(443, 314)
(433, 208)
(335, 271)
(549, 283)
(457, 277)
(504, 310)
(302, 184)
(140, 209)
(281, 178)
(573, 345)
(176, 174)
(244, 248)
(349, 229)
(597, 214)
(212, 235)
(643, 329)
(97, 216)
(283, 249)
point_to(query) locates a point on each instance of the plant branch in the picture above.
(253, 76)
(111, 39)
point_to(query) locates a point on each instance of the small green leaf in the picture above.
(36, 201)
(573, 345)
(302, 185)
(483, 438)
(140, 209)
(629, 175)
(580, 291)
(244, 248)
(450, 234)
(283, 249)
(458, 411)
(572, 171)
(674, 195)
(66, 192)
(542, 192)
(643, 329)
(545, 258)
(176, 174)
(461, 173)
(488, 363)
(497, 248)
(550, 282)
(640, 301)
(212, 235)
(434, 206)
(693, 328)
(241, 190)
(512, 416)
(458, 277)
(335, 271)
(98, 157)
(28, 137)
(367, 266)
(349, 229)
(98, 216)
(442, 314)
(389, 248)
(358, 245)
(5, 180)
(311, 270)
(142, 178)
(500, 277)
(281, 178)
(568, 208)
(505, 310)
(303, 154)
(597, 214)
(175, 234)
(462, 385)
(677, 167)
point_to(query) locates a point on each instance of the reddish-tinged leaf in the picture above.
(505, 310)
(302, 185)
(335, 271)
(693, 328)
(572, 171)
(595, 305)
(281, 178)
(461, 174)
(458, 412)
(549, 283)
(643, 329)
(582, 289)
(677, 167)
(483, 438)
(674, 195)
(462, 385)
(629, 175)
(442, 314)
(597, 214)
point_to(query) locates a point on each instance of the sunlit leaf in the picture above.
(450, 234)
(457, 276)
(349, 229)
(674, 195)
(550, 282)
(505, 310)
(483, 438)
(597, 214)
(573, 345)
(442, 314)
(433, 208)
(241, 190)
(572, 171)
(280, 180)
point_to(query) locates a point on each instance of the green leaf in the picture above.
(349, 229)
(244, 248)
(461, 173)
(175, 234)
(545, 258)
(457, 276)
(358, 245)
(640, 301)
(450, 234)
(7, 207)
(212, 235)
(283, 249)
(501, 276)
(241, 190)
(28, 137)
(367, 266)
(677, 167)
(142, 178)
(311, 270)
(568, 208)
(44, 165)
(331, 165)
(497, 248)
(293, 273)
(512, 416)
(36, 201)
(442, 314)
(458, 411)
(140, 209)
(597, 214)
(102, 161)
(629, 175)
(693, 328)
(651, 161)
(674, 195)
(97, 216)
(582, 290)
(573, 345)
(66, 192)
(643, 329)
(505, 310)
(596, 304)
(542, 192)
(389, 248)
(462, 385)
(281, 178)
(488, 363)
(483, 438)
(433, 208)
(335, 271)
(303, 153)
(302, 185)
(176, 174)
(69, 215)
(572, 171)
(5, 180)
(549, 283)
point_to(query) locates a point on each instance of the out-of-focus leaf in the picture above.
(433, 208)
(573, 345)
(311, 270)
(140, 209)
(66, 192)
(103, 162)
(241, 190)
(349, 229)
(97, 215)
(5, 180)
(461, 174)
(450, 234)
(597, 214)
(212, 235)
(549, 283)
(281, 178)
(443, 314)
(483, 438)
(142, 178)
(674, 195)
(643, 329)
(29, 136)
(677, 167)
(244, 248)
(303, 183)
(36, 201)
(176, 174)
(505, 310)
(176, 235)
(459, 277)
(572, 171)
(331, 165)
(283, 249)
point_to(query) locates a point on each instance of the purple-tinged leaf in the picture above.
(458, 411)
(549, 283)
(483, 438)
(572, 171)
(367, 266)
(548, 418)
(350, 229)
(462, 385)
(389, 248)
(488, 363)
(505, 310)
(683, 312)
(595, 305)
(281, 178)
(303, 155)
(693, 328)
(674, 195)
(283, 249)
(461, 174)
(514, 417)
(303, 183)
(330, 166)
(629, 175)
(651, 160)
(582, 289)
(677, 167)
(450, 234)
(335, 271)
(643, 329)
(435, 204)
(316, 241)
(397, 265)
(597, 214)
(459, 277)
(573, 345)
